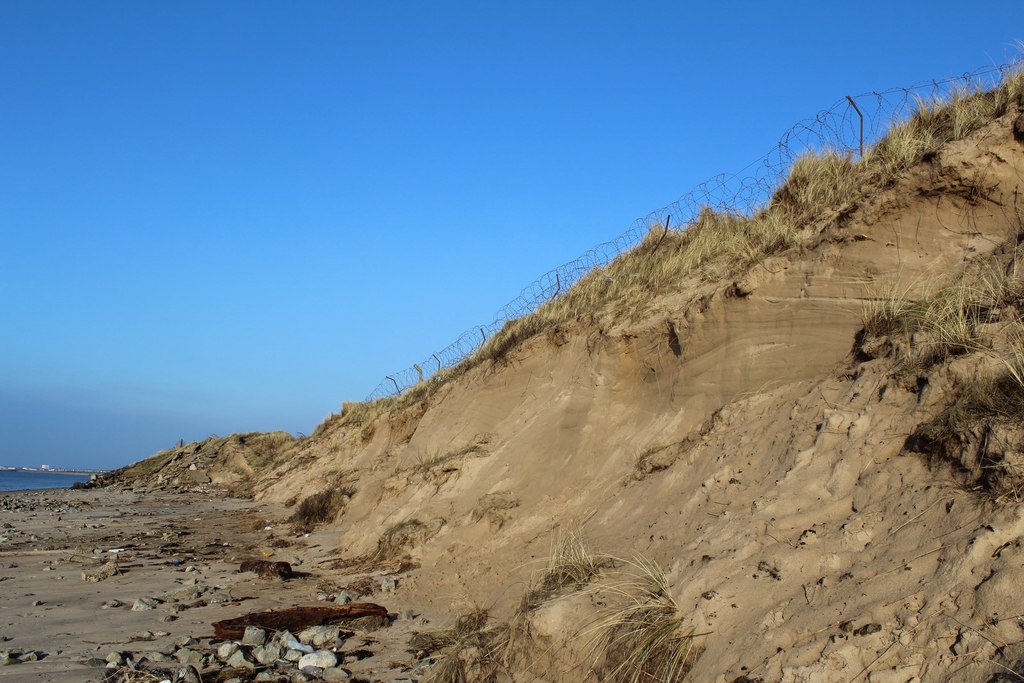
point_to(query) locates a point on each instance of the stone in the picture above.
(299, 677)
(389, 584)
(254, 636)
(296, 645)
(239, 660)
(321, 659)
(30, 656)
(283, 637)
(271, 677)
(144, 603)
(335, 673)
(225, 650)
(184, 641)
(327, 635)
(345, 596)
(115, 658)
(157, 656)
(189, 656)
(293, 655)
(112, 604)
(267, 654)
(37, 603)
(319, 635)
(101, 573)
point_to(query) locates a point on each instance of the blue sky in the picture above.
(232, 216)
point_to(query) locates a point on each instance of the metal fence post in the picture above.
(861, 117)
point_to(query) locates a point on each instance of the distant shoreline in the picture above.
(36, 470)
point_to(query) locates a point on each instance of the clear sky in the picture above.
(232, 216)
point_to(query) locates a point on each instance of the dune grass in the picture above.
(643, 638)
(719, 246)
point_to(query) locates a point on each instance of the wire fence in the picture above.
(849, 126)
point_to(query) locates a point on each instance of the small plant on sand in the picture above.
(321, 508)
(571, 565)
(466, 653)
(643, 639)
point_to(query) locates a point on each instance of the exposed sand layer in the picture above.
(739, 435)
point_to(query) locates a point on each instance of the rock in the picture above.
(299, 677)
(239, 660)
(101, 573)
(321, 659)
(115, 658)
(313, 671)
(184, 641)
(299, 647)
(37, 603)
(389, 584)
(187, 675)
(157, 656)
(7, 658)
(112, 604)
(267, 654)
(225, 650)
(271, 676)
(335, 674)
(283, 637)
(319, 635)
(188, 656)
(267, 570)
(144, 603)
(254, 636)
(324, 635)
(30, 656)
(345, 596)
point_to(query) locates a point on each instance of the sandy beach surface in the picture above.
(183, 550)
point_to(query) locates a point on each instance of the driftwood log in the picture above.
(295, 619)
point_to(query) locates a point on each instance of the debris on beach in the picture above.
(296, 618)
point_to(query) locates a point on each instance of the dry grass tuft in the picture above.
(466, 653)
(571, 565)
(643, 639)
(321, 508)
(393, 546)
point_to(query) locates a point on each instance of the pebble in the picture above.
(321, 659)
(225, 650)
(254, 636)
(345, 596)
(334, 673)
(319, 636)
(267, 654)
(144, 603)
(239, 660)
(389, 584)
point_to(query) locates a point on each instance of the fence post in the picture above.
(558, 286)
(397, 390)
(483, 337)
(663, 234)
(438, 361)
(861, 117)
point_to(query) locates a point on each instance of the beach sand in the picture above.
(182, 549)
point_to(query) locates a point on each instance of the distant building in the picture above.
(45, 467)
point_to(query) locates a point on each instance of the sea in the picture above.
(18, 480)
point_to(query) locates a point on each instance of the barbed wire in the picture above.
(851, 125)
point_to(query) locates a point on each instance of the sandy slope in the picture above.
(797, 533)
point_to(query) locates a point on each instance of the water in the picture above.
(17, 481)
